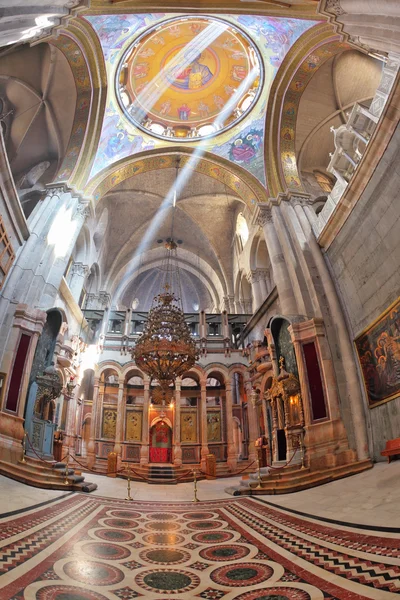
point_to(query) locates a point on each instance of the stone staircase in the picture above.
(294, 479)
(46, 476)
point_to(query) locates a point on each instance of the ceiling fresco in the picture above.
(178, 82)
(203, 81)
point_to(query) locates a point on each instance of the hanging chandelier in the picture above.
(166, 350)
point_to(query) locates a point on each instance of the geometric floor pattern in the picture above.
(93, 548)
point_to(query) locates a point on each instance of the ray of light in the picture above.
(183, 176)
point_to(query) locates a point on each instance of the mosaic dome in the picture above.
(189, 78)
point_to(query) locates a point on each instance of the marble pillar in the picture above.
(79, 272)
(279, 268)
(203, 423)
(91, 447)
(232, 455)
(144, 449)
(119, 426)
(177, 425)
(252, 419)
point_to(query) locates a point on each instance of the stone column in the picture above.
(177, 425)
(119, 428)
(252, 419)
(144, 449)
(70, 418)
(232, 456)
(339, 336)
(256, 289)
(279, 268)
(79, 272)
(203, 422)
(263, 284)
(91, 447)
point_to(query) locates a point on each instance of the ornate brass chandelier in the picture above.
(166, 350)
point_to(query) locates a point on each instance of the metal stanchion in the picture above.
(195, 499)
(23, 460)
(129, 497)
(66, 482)
(303, 466)
(259, 486)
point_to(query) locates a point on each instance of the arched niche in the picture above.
(283, 344)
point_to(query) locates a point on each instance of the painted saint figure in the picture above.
(193, 76)
(184, 111)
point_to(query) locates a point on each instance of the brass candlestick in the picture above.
(259, 486)
(195, 499)
(303, 466)
(129, 497)
(23, 460)
(66, 482)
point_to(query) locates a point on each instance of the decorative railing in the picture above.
(352, 139)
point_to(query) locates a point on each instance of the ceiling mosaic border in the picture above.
(243, 184)
(244, 143)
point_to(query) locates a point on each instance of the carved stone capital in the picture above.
(296, 198)
(334, 7)
(263, 215)
(80, 269)
(104, 299)
(82, 211)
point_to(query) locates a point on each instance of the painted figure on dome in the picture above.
(204, 110)
(184, 111)
(238, 72)
(193, 76)
(165, 107)
(244, 149)
(140, 70)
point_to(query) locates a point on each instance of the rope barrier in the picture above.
(48, 462)
(288, 462)
(232, 474)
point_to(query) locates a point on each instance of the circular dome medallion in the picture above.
(188, 78)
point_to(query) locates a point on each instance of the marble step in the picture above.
(297, 480)
(52, 479)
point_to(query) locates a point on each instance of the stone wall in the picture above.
(365, 261)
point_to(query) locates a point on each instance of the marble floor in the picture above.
(58, 546)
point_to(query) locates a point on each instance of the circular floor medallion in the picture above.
(163, 556)
(204, 525)
(162, 526)
(67, 592)
(224, 553)
(241, 575)
(125, 514)
(106, 551)
(120, 523)
(275, 593)
(114, 535)
(163, 581)
(93, 573)
(213, 537)
(163, 539)
(198, 515)
(162, 516)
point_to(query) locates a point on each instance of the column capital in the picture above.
(295, 198)
(263, 214)
(80, 269)
(333, 7)
(82, 210)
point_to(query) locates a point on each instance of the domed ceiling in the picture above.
(201, 80)
(190, 78)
